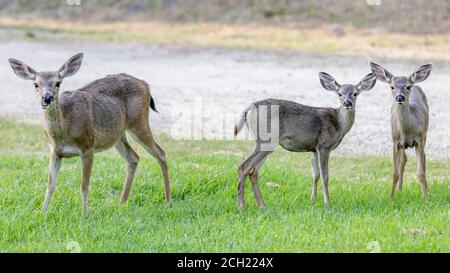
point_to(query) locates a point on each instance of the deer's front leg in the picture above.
(316, 175)
(395, 173)
(402, 162)
(87, 158)
(323, 162)
(421, 162)
(53, 169)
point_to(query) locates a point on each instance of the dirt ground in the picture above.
(209, 87)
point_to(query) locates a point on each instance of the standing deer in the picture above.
(409, 121)
(92, 119)
(300, 128)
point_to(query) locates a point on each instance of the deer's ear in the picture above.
(381, 73)
(71, 66)
(22, 70)
(328, 82)
(367, 83)
(421, 73)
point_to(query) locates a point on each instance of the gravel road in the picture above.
(211, 86)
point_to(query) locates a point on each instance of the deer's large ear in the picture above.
(381, 73)
(328, 82)
(71, 66)
(367, 83)
(22, 70)
(421, 73)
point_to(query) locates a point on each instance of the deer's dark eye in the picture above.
(36, 85)
(355, 94)
(340, 94)
(392, 88)
(58, 84)
(408, 88)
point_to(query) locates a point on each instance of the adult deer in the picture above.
(92, 119)
(299, 128)
(409, 121)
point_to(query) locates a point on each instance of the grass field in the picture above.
(203, 216)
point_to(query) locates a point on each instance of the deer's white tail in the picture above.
(242, 120)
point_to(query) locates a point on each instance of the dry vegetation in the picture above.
(395, 29)
(347, 40)
(408, 16)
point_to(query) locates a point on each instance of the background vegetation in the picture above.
(411, 16)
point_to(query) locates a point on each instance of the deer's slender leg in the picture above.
(421, 162)
(244, 170)
(87, 159)
(316, 175)
(402, 163)
(395, 173)
(132, 159)
(145, 138)
(323, 163)
(54, 165)
(254, 180)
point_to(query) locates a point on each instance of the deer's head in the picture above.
(401, 86)
(47, 84)
(347, 92)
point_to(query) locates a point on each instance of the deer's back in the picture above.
(102, 110)
(305, 128)
(131, 93)
(116, 85)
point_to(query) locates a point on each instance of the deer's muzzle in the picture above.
(347, 104)
(400, 99)
(46, 99)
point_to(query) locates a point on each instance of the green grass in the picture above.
(203, 216)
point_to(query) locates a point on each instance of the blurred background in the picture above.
(409, 16)
(220, 55)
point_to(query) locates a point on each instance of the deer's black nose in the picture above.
(400, 99)
(47, 98)
(347, 104)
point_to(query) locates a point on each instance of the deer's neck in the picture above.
(345, 119)
(53, 121)
(401, 115)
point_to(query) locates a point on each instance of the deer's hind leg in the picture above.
(250, 168)
(144, 136)
(132, 159)
(255, 185)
